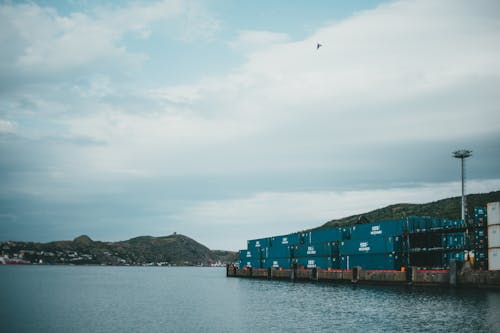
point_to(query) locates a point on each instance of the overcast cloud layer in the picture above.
(164, 116)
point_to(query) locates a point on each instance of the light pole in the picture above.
(462, 155)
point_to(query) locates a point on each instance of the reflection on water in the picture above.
(493, 311)
(160, 299)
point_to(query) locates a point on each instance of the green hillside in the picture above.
(445, 208)
(168, 250)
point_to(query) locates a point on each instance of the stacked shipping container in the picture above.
(374, 246)
(387, 245)
(479, 241)
(318, 249)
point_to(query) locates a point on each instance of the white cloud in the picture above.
(7, 127)
(53, 42)
(393, 72)
(48, 42)
(250, 41)
(186, 94)
(198, 25)
(292, 106)
(404, 74)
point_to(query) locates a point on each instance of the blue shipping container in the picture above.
(242, 254)
(455, 240)
(436, 223)
(418, 224)
(345, 232)
(278, 251)
(258, 243)
(335, 248)
(285, 240)
(326, 235)
(314, 262)
(313, 250)
(251, 254)
(453, 255)
(371, 245)
(251, 263)
(448, 224)
(479, 212)
(480, 233)
(456, 224)
(411, 224)
(379, 229)
(277, 263)
(305, 238)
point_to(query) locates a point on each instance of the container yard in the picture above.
(412, 250)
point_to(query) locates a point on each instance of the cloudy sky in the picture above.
(221, 120)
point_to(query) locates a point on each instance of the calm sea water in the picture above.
(181, 299)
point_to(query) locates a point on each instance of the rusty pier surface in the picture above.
(413, 276)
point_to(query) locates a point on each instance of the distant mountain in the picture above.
(445, 208)
(169, 250)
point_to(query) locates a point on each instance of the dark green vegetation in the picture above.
(145, 250)
(445, 208)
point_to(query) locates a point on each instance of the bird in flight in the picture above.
(318, 45)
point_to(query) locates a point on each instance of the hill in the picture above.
(145, 250)
(445, 208)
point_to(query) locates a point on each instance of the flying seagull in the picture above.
(318, 45)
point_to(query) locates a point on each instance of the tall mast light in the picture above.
(462, 154)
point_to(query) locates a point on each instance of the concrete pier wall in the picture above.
(480, 279)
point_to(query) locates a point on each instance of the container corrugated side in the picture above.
(314, 262)
(258, 243)
(418, 224)
(251, 254)
(305, 238)
(493, 212)
(455, 240)
(251, 263)
(278, 251)
(326, 235)
(371, 245)
(242, 254)
(494, 236)
(345, 232)
(313, 250)
(285, 240)
(454, 224)
(277, 263)
(379, 229)
(437, 223)
(493, 247)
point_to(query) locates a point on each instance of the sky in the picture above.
(222, 120)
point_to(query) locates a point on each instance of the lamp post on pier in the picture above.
(462, 154)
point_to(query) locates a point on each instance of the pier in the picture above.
(357, 275)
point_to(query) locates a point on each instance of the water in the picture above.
(183, 299)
